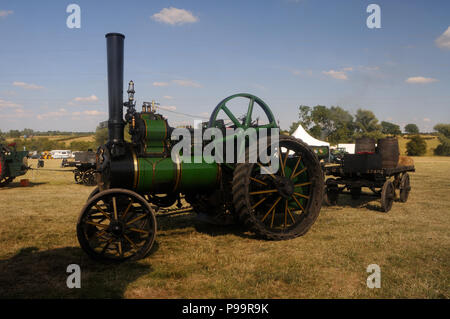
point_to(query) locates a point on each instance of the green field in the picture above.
(191, 259)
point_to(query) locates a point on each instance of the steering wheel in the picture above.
(247, 121)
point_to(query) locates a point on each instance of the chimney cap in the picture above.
(114, 34)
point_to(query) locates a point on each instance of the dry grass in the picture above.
(193, 260)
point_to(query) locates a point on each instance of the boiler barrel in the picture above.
(162, 175)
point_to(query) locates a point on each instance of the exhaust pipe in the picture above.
(114, 48)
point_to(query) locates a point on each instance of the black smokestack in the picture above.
(114, 48)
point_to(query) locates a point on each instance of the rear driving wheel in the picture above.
(116, 225)
(284, 204)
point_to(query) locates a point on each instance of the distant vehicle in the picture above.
(61, 153)
(46, 155)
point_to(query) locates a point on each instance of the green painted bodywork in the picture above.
(163, 175)
(14, 162)
(155, 135)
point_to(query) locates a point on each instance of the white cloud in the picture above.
(63, 113)
(187, 83)
(443, 41)
(426, 119)
(5, 13)
(420, 80)
(8, 104)
(27, 85)
(168, 97)
(347, 69)
(160, 84)
(340, 75)
(93, 113)
(174, 16)
(168, 107)
(91, 98)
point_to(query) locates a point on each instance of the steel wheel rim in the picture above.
(277, 209)
(116, 226)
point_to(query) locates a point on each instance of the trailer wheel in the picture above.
(405, 188)
(387, 196)
(285, 204)
(89, 177)
(78, 176)
(116, 225)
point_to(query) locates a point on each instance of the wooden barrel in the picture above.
(364, 145)
(388, 148)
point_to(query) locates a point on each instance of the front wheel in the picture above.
(116, 225)
(285, 204)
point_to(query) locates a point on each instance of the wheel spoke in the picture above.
(262, 200)
(298, 203)
(119, 246)
(302, 184)
(301, 195)
(115, 207)
(231, 116)
(101, 211)
(295, 168)
(264, 192)
(248, 118)
(126, 210)
(281, 161)
(290, 214)
(299, 172)
(137, 230)
(258, 181)
(130, 241)
(136, 219)
(268, 172)
(271, 208)
(97, 224)
(106, 245)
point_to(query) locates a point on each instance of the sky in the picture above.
(189, 55)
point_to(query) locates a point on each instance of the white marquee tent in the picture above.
(308, 139)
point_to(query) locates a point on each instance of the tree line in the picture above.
(336, 125)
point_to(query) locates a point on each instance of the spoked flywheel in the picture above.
(284, 204)
(116, 225)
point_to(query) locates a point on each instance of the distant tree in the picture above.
(411, 128)
(293, 127)
(444, 137)
(28, 132)
(14, 133)
(341, 125)
(416, 146)
(2, 137)
(366, 124)
(390, 128)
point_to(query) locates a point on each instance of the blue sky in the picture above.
(286, 52)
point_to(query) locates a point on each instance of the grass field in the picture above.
(190, 259)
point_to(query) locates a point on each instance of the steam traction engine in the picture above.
(118, 221)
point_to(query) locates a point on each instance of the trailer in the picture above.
(84, 163)
(365, 170)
